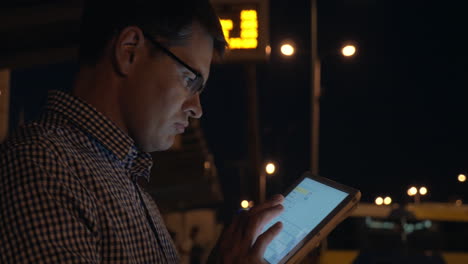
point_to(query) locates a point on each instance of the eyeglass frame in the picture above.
(198, 81)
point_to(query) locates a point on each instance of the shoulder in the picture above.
(39, 155)
(42, 201)
(34, 170)
(31, 145)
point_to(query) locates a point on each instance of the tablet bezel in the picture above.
(335, 216)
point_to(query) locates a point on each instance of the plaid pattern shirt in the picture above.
(69, 192)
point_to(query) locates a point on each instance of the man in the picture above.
(68, 181)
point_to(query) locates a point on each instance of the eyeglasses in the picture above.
(195, 85)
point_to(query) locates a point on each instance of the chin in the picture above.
(165, 145)
(158, 143)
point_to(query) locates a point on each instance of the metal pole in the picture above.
(417, 198)
(315, 91)
(256, 177)
(314, 256)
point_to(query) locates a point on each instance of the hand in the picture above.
(242, 242)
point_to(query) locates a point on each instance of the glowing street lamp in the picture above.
(413, 191)
(270, 168)
(461, 178)
(245, 204)
(387, 200)
(423, 190)
(379, 201)
(348, 50)
(287, 49)
(268, 50)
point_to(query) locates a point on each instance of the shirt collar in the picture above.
(102, 129)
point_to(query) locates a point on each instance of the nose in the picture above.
(193, 106)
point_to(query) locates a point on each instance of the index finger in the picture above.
(258, 221)
(272, 202)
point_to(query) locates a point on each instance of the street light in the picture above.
(413, 191)
(423, 190)
(348, 50)
(268, 50)
(287, 49)
(245, 204)
(379, 201)
(270, 168)
(461, 178)
(387, 200)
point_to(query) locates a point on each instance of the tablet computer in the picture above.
(314, 205)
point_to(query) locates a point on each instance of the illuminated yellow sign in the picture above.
(248, 31)
(245, 27)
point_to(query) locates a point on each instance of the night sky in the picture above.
(392, 116)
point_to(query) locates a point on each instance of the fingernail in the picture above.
(279, 224)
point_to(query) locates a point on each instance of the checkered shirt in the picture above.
(69, 192)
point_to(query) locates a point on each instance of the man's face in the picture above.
(155, 101)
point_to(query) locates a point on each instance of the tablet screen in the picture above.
(305, 207)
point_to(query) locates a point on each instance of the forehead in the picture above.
(197, 51)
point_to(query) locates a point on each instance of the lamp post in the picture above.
(315, 107)
(417, 193)
(315, 91)
(383, 201)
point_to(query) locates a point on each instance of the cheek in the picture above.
(163, 107)
(169, 98)
(159, 95)
(139, 99)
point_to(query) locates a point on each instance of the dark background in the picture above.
(392, 116)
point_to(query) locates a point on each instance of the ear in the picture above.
(128, 48)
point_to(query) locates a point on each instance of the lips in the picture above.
(180, 127)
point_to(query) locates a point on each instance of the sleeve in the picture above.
(46, 216)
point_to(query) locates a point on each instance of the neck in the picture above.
(100, 88)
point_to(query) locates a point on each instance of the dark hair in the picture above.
(170, 20)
